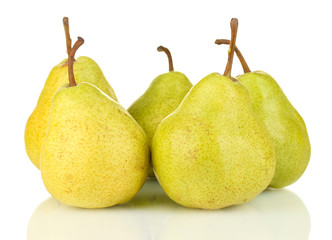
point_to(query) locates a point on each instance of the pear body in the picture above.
(285, 125)
(95, 154)
(85, 70)
(213, 152)
(163, 96)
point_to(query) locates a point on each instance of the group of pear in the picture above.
(218, 143)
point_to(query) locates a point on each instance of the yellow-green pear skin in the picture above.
(95, 154)
(285, 125)
(163, 96)
(85, 70)
(213, 152)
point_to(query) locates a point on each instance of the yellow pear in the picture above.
(213, 151)
(95, 154)
(86, 70)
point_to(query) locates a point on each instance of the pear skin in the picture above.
(163, 96)
(285, 125)
(95, 154)
(86, 70)
(213, 152)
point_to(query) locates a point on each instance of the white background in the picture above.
(291, 40)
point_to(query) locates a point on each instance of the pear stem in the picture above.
(244, 64)
(71, 60)
(168, 53)
(68, 39)
(234, 27)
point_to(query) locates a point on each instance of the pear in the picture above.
(163, 96)
(95, 154)
(86, 70)
(213, 151)
(284, 123)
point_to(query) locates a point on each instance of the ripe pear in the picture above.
(163, 96)
(284, 123)
(86, 70)
(213, 152)
(95, 154)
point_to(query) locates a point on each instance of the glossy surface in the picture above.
(275, 214)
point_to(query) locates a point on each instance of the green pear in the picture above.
(163, 96)
(95, 154)
(284, 123)
(213, 152)
(86, 70)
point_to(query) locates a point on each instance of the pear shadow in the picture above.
(151, 196)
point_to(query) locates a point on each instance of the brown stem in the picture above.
(168, 53)
(234, 26)
(68, 39)
(244, 64)
(71, 60)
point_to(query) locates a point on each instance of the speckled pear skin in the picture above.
(213, 152)
(95, 154)
(85, 70)
(163, 96)
(285, 125)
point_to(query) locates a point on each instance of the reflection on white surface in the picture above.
(274, 214)
(55, 221)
